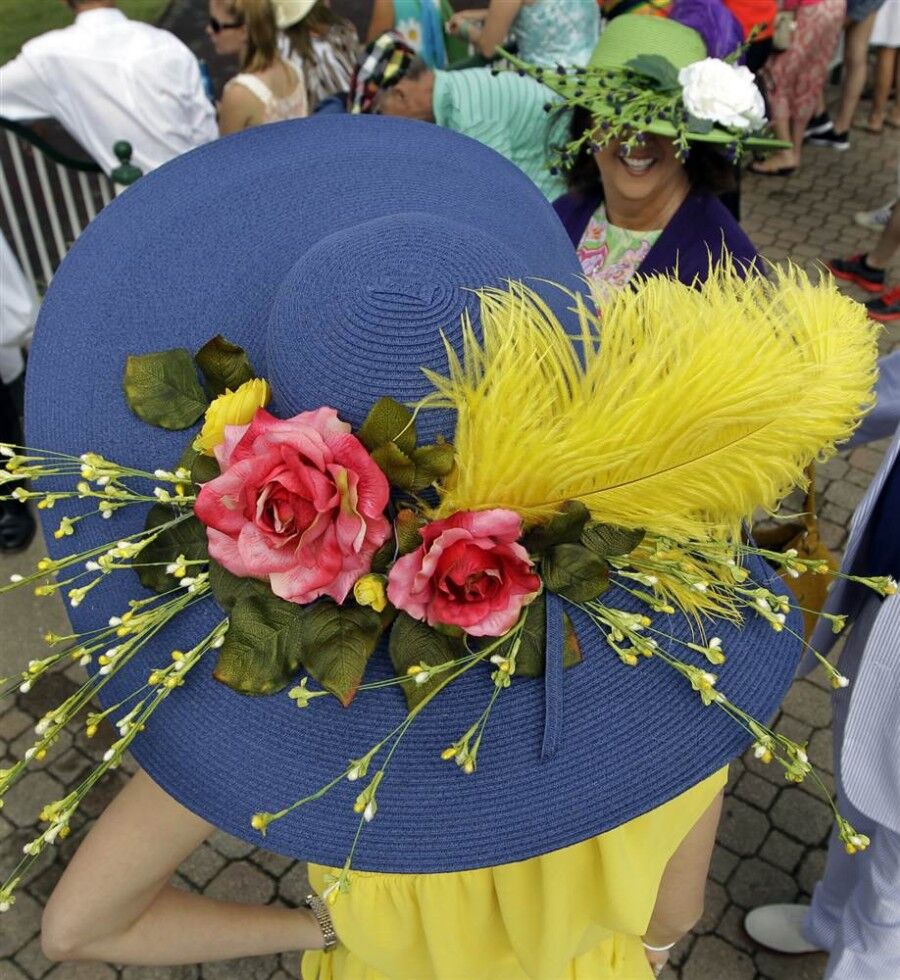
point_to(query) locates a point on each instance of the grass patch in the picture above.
(24, 19)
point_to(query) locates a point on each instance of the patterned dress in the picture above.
(794, 78)
(609, 255)
(557, 32)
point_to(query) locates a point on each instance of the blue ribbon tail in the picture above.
(553, 677)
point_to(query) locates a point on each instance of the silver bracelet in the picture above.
(320, 910)
(657, 949)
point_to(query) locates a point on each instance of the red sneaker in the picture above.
(886, 308)
(856, 270)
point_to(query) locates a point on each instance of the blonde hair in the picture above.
(262, 34)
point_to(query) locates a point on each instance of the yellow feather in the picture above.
(700, 404)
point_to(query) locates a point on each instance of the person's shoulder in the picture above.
(244, 90)
(50, 42)
(505, 91)
(155, 36)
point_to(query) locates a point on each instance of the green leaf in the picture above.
(404, 539)
(224, 365)
(388, 421)
(262, 648)
(337, 644)
(396, 465)
(608, 540)
(563, 528)
(162, 389)
(574, 572)
(229, 589)
(414, 642)
(187, 538)
(381, 560)
(203, 468)
(657, 68)
(572, 645)
(432, 463)
(407, 527)
(531, 655)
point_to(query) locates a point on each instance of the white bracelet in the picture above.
(657, 949)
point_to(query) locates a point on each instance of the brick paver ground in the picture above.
(771, 841)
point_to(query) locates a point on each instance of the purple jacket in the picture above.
(699, 228)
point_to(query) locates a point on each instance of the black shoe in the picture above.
(17, 526)
(818, 125)
(832, 138)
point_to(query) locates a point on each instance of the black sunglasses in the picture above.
(216, 26)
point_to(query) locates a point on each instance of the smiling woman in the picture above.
(658, 122)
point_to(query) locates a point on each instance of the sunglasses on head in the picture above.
(216, 26)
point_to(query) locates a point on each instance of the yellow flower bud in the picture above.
(231, 408)
(369, 591)
(448, 753)
(260, 821)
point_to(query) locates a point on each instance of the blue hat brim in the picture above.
(199, 247)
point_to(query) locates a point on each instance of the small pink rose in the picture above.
(470, 571)
(299, 502)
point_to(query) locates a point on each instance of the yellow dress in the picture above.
(574, 914)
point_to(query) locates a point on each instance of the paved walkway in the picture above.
(771, 839)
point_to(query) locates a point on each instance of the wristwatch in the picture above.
(320, 910)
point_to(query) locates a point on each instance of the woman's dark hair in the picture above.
(707, 167)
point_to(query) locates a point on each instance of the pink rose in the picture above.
(300, 502)
(469, 572)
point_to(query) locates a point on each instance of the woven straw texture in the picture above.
(335, 250)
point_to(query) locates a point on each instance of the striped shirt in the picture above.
(506, 113)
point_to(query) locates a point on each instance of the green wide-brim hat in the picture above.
(644, 53)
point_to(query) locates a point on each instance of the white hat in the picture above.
(290, 12)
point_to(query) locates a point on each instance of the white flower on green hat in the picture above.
(722, 93)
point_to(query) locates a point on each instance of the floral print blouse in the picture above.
(610, 256)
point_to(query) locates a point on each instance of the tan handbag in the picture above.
(783, 29)
(809, 588)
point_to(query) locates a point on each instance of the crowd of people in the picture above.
(578, 96)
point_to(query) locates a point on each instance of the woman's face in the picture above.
(232, 36)
(646, 173)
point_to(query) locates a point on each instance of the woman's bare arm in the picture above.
(114, 901)
(679, 903)
(494, 25)
(239, 109)
(382, 19)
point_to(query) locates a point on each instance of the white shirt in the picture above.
(107, 78)
(18, 311)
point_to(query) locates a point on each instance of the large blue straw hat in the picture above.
(335, 251)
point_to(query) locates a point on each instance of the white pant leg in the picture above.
(842, 870)
(867, 944)
(855, 913)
